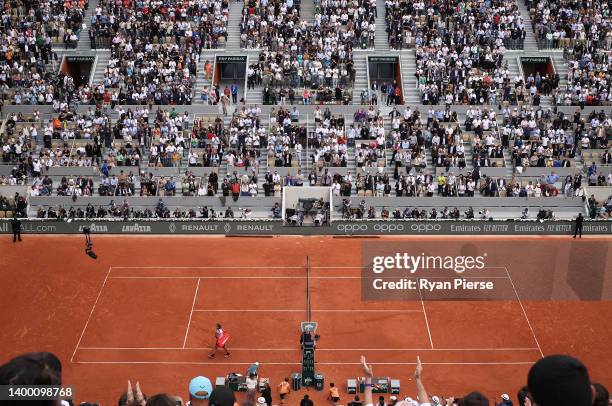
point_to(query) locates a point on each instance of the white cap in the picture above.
(505, 396)
(261, 401)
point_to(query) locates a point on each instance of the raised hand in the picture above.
(367, 369)
(419, 369)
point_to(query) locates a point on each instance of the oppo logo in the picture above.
(388, 228)
(425, 227)
(352, 228)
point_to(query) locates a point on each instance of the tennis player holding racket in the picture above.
(221, 339)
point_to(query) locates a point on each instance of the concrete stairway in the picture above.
(84, 43)
(255, 96)
(307, 10)
(380, 42)
(408, 65)
(531, 43)
(560, 67)
(513, 66)
(104, 55)
(233, 28)
(201, 81)
(361, 76)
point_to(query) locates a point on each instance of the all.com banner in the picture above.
(34, 226)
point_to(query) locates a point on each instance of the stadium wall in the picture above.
(337, 228)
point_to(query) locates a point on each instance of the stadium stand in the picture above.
(157, 117)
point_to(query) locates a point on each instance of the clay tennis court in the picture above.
(145, 310)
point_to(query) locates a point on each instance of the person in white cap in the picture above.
(505, 400)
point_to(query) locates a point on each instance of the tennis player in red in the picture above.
(221, 339)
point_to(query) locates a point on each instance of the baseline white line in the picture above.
(195, 296)
(90, 314)
(314, 310)
(425, 315)
(318, 349)
(235, 277)
(247, 267)
(297, 363)
(301, 277)
(525, 314)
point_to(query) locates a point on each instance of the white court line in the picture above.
(243, 267)
(298, 363)
(525, 313)
(248, 267)
(195, 296)
(304, 277)
(314, 310)
(425, 315)
(235, 277)
(90, 314)
(318, 349)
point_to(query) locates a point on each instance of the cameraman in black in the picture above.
(16, 223)
(577, 226)
(469, 213)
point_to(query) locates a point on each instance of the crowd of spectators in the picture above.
(588, 77)
(562, 24)
(314, 56)
(459, 48)
(29, 30)
(429, 23)
(155, 48)
(554, 380)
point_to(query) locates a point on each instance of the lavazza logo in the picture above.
(94, 228)
(136, 228)
(353, 228)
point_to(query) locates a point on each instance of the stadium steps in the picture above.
(233, 29)
(103, 57)
(201, 81)
(84, 43)
(408, 65)
(508, 161)
(381, 41)
(531, 43)
(262, 169)
(308, 150)
(307, 10)
(469, 154)
(255, 96)
(351, 165)
(389, 169)
(513, 66)
(361, 76)
(560, 68)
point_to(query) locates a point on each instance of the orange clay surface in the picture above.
(145, 310)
